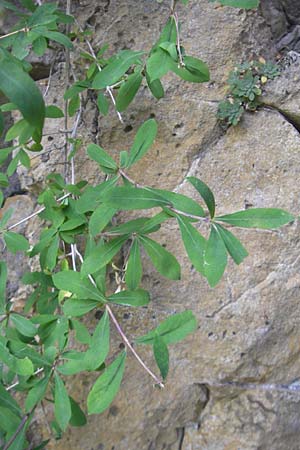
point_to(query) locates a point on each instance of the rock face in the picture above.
(283, 16)
(249, 329)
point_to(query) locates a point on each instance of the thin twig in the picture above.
(25, 29)
(136, 355)
(35, 213)
(9, 388)
(123, 335)
(138, 185)
(175, 18)
(108, 88)
(18, 431)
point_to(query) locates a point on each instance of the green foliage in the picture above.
(245, 87)
(245, 4)
(37, 351)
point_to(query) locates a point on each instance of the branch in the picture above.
(25, 30)
(123, 335)
(18, 430)
(175, 18)
(191, 216)
(35, 213)
(108, 88)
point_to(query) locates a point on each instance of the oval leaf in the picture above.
(264, 218)
(134, 268)
(62, 405)
(194, 243)
(106, 387)
(130, 198)
(215, 258)
(21, 90)
(139, 297)
(234, 247)
(173, 329)
(205, 193)
(164, 262)
(142, 142)
(161, 355)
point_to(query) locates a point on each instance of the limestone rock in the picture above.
(283, 93)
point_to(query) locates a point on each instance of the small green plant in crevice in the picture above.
(245, 87)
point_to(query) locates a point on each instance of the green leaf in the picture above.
(215, 258)
(77, 87)
(99, 348)
(116, 69)
(3, 280)
(195, 70)
(39, 46)
(130, 198)
(69, 280)
(134, 268)
(132, 226)
(139, 297)
(169, 33)
(51, 254)
(205, 193)
(59, 37)
(5, 217)
(161, 355)
(173, 329)
(62, 405)
(107, 386)
(234, 247)
(100, 218)
(15, 242)
(75, 307)
(23, 367)
(53, 112)
(23, 325)
(93, 196)
(21, 129)
(74, 105)
(82, 334)
(9, 422)
(181, 203)
(3, 180)
(1, 123)
(164, 262)
(24, 159)
(78, 418)
(102, 103)
(101, 157)
(102, 255)
(155, 221)
(155, 87)
(72, 224)
(7, 401)
(244, 4)
(20, 89)
(37, 393)
(264, 218)
(158, 64)
(194, 243)
(128, 91)
(143, 140)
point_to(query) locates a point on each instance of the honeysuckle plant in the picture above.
(80, 238)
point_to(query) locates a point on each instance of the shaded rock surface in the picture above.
(283, 17)
(249, 325)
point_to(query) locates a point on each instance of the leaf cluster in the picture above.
(245, 87)
(85, 242)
